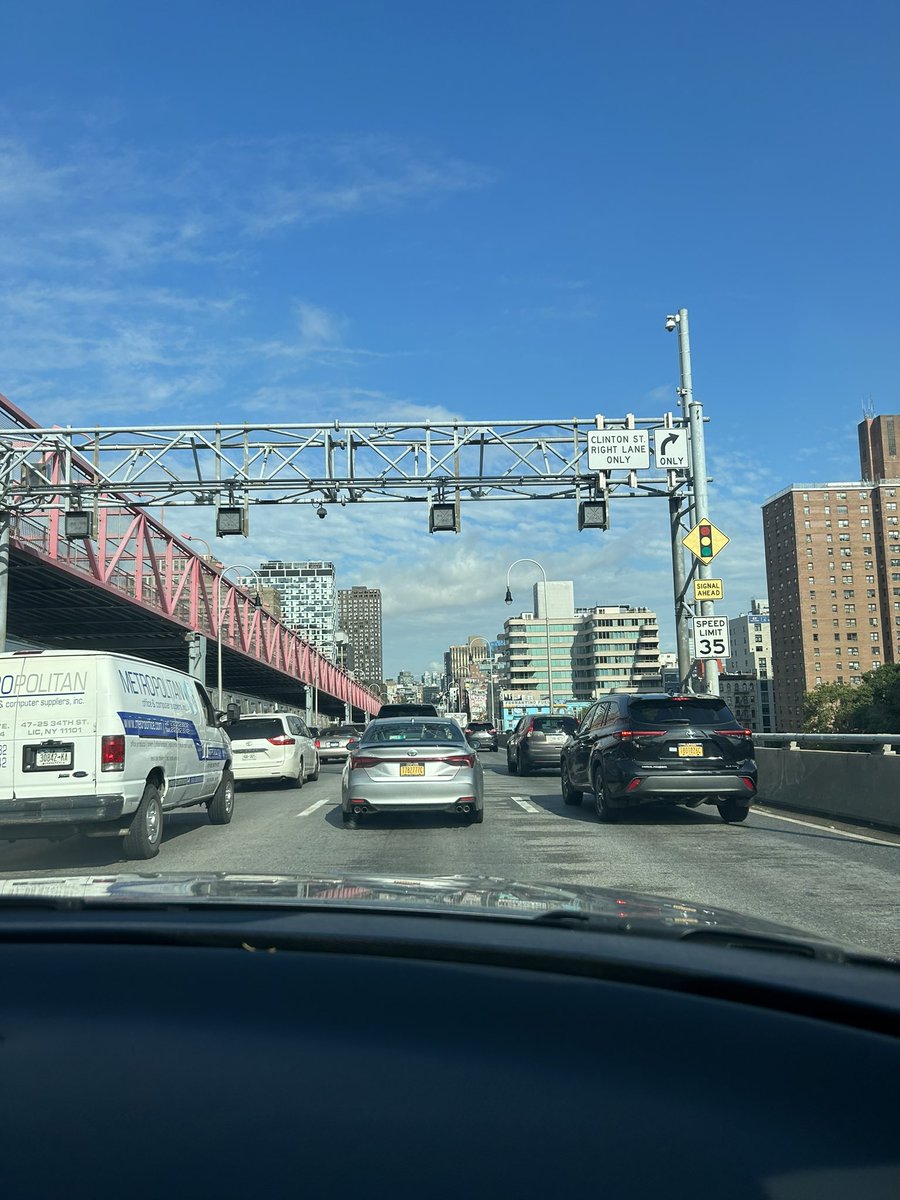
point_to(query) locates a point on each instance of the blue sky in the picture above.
(289, 211)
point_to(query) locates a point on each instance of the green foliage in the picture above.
(872, 706)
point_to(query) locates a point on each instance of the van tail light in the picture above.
(112, 752)
(282, 741)
(318, 743)
(363, 760)
(460, 760)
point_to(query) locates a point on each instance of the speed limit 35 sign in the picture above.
(711, 637)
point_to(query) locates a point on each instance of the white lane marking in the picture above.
(857, 837)
(312, 808)
(526, 804)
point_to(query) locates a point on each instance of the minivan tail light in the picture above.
(318, 743)
(112, 752)
(282, 741)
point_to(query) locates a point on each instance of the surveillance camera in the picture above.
(321, 512)
(671, 322)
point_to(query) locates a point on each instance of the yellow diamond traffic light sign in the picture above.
(705, 541)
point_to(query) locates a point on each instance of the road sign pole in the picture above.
(694, 410)
(679, 579)
(4, 574)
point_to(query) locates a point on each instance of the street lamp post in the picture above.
(535, 563)
(478, 638)
(220, 615)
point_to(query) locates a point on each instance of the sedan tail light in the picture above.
(460, 760)
(363, 760)
(282, 741)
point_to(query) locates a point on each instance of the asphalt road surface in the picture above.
(840, 881)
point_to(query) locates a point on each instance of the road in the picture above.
(840, 882)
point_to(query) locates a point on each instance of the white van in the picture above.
(104, 744)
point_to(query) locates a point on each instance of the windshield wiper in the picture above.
(721, 935)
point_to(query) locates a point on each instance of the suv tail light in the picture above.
(622, 735)
(284, 740)
(112, 752)
(736, 733)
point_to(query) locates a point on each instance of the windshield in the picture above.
(520, 378)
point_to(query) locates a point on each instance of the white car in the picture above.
(273, 746)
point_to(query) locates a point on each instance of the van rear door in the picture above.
(53, 751)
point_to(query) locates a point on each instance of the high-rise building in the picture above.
(746, 686)
(308, 599)
(833, 570)
(359, 617)
(592, 650)
(878, 457)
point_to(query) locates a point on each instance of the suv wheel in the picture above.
(602, 807)
(732, 812)
(523, 762)
(570, 794)
(510, 765)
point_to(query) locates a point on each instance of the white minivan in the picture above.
(101, 743)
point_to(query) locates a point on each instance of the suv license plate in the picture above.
(412, 768)
(690, 750)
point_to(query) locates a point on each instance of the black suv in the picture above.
(631, 749)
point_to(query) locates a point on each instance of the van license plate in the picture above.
(690, 750)
(48, 758)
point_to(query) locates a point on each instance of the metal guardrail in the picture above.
(875, 743)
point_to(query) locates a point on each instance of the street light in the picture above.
(220, 615)
(478, 638)
(508, 600)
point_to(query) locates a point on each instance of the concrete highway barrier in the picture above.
(853, 785)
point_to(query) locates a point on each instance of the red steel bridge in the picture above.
(137, 588)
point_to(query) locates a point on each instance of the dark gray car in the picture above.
(537, 741)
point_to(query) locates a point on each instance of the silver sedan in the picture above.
(412, 764)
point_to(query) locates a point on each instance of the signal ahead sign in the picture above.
(711, 637)
(705, 541)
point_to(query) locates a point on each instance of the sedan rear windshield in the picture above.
(345, 731)
(551, 725)
(696, 711)
(419, 732)
(255, 727)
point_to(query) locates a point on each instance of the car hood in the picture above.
(576, 905)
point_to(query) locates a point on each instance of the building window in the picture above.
(874, 637)
(849, 608)
(806, 512)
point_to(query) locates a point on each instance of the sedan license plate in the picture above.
(412, 768)
(690, 750)
(334, 743)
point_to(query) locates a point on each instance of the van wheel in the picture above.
(301, 775)
(221, 806)
(145, 832)
(315, 774)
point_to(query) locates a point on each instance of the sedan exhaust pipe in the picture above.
(463, 808)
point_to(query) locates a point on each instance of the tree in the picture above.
(872, 706)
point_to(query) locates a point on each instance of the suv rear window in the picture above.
(406, 710)
(698, 710)
(480, 725)
(552, 725)
(255, 727)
